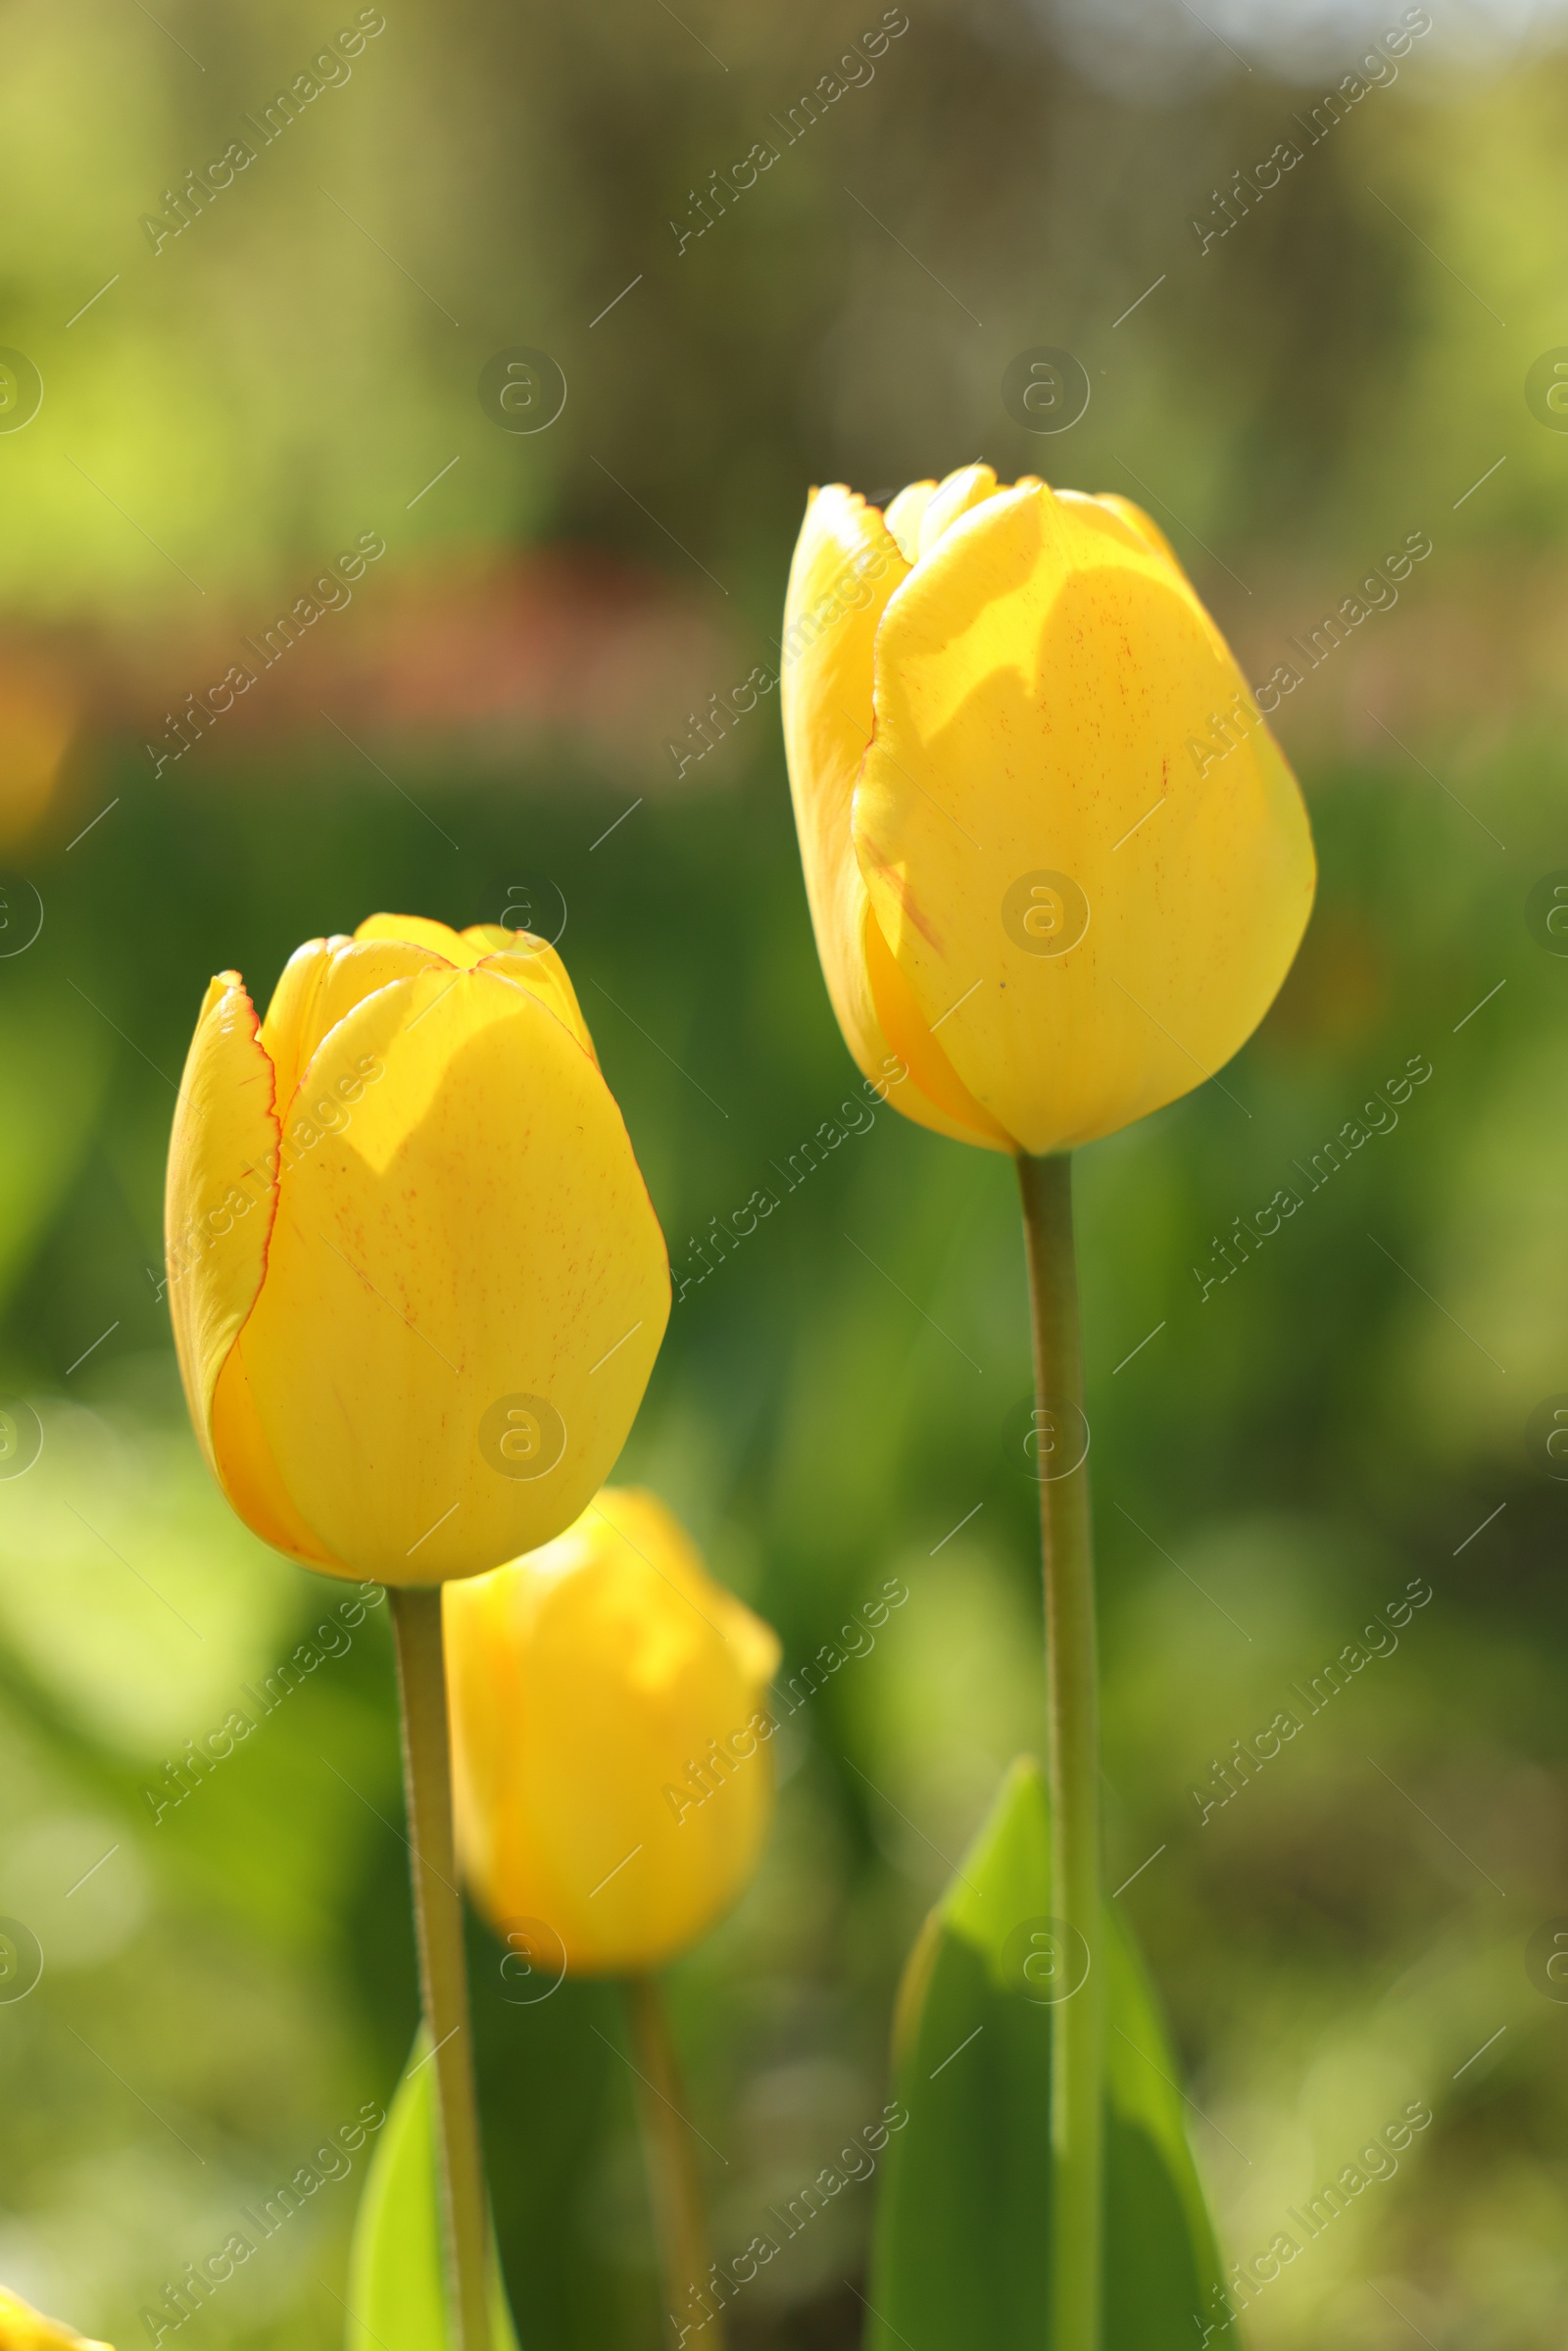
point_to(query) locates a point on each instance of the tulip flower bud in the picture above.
(612, 1774)
(23, 2328)
(416, 1280)
(1058, 866)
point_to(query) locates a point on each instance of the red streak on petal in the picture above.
(900, 882)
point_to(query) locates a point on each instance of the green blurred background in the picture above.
(523, 670)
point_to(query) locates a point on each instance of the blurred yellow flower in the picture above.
(415, 1279)
(1058, 866)
(23, 2328)
(612, 1780)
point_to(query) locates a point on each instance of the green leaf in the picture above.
(397, 2291)
(1162, 2265)
(962, 2246)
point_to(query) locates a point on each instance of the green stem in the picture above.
(443, 1966)
(674, 2179)
(1072, 1751)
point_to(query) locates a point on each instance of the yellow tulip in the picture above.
(23, 2328)
(416, 1280)
(611, 1771)
(1058, 866)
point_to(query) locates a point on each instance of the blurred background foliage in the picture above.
(842, 1398)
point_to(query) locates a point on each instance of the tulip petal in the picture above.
(288, 1014)
(249, 1474)
(1146, 532)
(1043, 679)
(461, 948)
(913, 1040)
(23, 2328)
(845, 566)
(970, 486)
(585, 1681)
(221, 1190)
(903, 517)
(330, 986)
(466, 1288)
(534, 964)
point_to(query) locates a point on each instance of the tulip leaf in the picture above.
(397, 2289)
(963, 2245)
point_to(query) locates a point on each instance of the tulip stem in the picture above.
(443, 1964)
(674, 2179)
(1072, 1752)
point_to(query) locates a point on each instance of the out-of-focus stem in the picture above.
(675, 2181)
